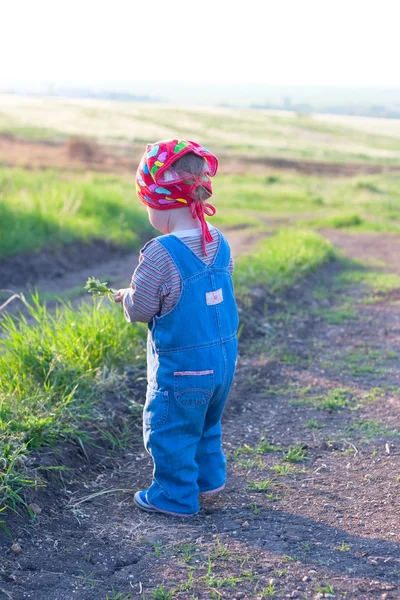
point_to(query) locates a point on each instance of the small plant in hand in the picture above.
(97, 288)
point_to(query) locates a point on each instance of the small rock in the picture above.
(272, 581)
(384, 596)
(305, 578)
(373, 562)
(16, 547)
(245, 524)
(339, 516)
(35, 508)
(312, 572)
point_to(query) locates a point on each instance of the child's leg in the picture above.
(171, 433)
(209, 456)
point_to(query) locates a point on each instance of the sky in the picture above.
(278, 42)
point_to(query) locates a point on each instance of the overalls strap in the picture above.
(223, 256)
(188, 262)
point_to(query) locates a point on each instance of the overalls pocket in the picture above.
(156, 408)
(193, 388)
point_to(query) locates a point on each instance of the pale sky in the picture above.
(300, 42)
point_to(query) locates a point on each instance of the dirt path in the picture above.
(323, 524)
(123, 158)
(63, 273)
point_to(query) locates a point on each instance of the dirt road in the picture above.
(80, 154)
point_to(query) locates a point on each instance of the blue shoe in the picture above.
(140, 499)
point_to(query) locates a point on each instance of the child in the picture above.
(183, 289)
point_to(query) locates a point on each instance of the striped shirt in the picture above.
(156, 283)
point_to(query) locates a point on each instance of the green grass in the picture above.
(332, 399)
(42, 208)
(337, 315)
(296, 453)
(359, 204)
(260, 486)
(160, 593)
(370, 429)
(279, 261)
(52, 373)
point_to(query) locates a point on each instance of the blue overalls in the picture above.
(191, 357)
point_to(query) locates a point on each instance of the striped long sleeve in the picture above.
(156, 283)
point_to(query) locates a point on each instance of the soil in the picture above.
(329, 527)
(75, 154)
(56, 263)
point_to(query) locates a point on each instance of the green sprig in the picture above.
(97, 288)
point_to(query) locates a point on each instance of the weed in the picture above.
(287, 356)
(187, 585)
(306, 546)
(261, 486)
(187, 551)
(249, 576)
(158, 549)
(326, 589)
(334, 399)
(220, 551)
(269, 591)
(286, 558)
(343, 547)
(250, 463)
(283, 469)
(14, 477)
(231, 581)
(119, 596)
(253, 506)
(373, 395)
(280, 572)
(265, 446)
(262, 448)
(160, 593)
(314, 424)
(271, 498)
(296, 453)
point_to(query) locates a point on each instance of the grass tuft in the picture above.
(49, 373)
(278, 262)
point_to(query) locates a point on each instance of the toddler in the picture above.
(183, 288)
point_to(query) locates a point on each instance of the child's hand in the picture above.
(119, 295)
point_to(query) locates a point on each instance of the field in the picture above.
(311, 207)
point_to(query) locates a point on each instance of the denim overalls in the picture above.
(191, 356)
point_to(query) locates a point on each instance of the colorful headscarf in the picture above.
(159, 187)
